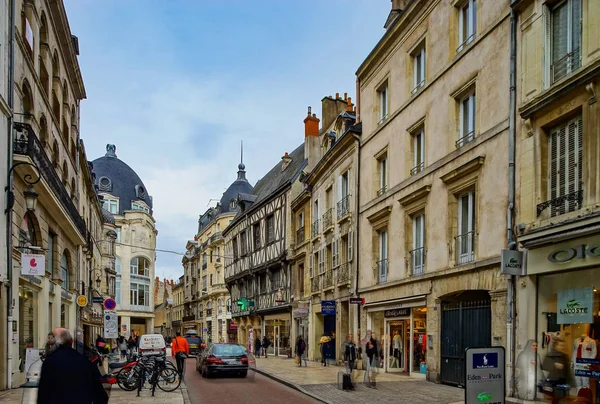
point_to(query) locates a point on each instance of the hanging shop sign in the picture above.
(357, 300)
(111, 326)
(33, 264)
(397, 312)
(81, 300)
(485, 377)
(301, 311)
(513, 263)
(575, 306)
(328, 307)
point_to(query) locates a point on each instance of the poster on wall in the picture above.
(575, 306)
(33, 364)
(33, 264)
(111, 327)
(251, 341)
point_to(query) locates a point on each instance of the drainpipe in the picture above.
(511, 331)
(357, 233)
(9, 185)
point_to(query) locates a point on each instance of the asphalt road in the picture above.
(234, 389)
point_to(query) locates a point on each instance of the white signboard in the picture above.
(33, 264)
(33, 364)
(111, 326)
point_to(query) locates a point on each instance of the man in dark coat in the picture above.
(67, 377)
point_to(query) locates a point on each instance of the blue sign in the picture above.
(328, 307)
(485, 360)
(110, 304)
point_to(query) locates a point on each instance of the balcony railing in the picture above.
(565, 65)
(190, 317)
(217, 236)
(382, 270)
(343, 207)
(382, 190)
(465, 139)
(315, 228)
(315, 284)
(343, 274)
(328, 279)
(27, 144)
(300, 235)
(417, 169)
(465, 247)
(328, 219)
(562, 204)
(417, 259)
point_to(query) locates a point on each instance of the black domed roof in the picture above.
(239, 186)
(116, 178)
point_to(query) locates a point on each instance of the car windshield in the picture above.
(228, 350)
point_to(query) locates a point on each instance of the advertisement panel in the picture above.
(485, 375)
(111, 326)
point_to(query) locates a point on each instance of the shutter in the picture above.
(311, 260)
(339, 190)
(350, 246)
(546, 22)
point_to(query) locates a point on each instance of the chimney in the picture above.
(331, 108)
(311, 124)
(349, 105)
(285, 161)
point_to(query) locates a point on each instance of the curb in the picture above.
(184, 393)
(291, 385)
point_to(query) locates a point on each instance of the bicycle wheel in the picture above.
(127, 379)
(168, 380)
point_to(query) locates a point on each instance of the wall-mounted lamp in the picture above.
(30, 194)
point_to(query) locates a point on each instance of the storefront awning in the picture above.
(412, 301)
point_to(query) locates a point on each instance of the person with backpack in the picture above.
(300, 349)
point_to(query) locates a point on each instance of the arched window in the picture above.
(65, 172)
(27, 100)
(220, 306)
(72, 187)
(56, 86)
(27, 235)
(209, 309)
(55, 154)
(228, 306)
(64, 271)
(118, 265)
(43, 43)
(139, 266)
(43, 130)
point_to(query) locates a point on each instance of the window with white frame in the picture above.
(112, 205)
(118, 230)
(466, 119)
(565, 167)
(419, 65)
(382, 263)
(139, 266)
(321, 256)
(382, 166)
(228, 306)
(465, 240)
(139, 206)
(418, 247)
(204, 287)
(118, 292)
(418, 139)
(139, 294)
(467, 23)
(349, 249)
(118, 266)
(383, 102)
(562, 39)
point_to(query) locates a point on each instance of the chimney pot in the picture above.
(309, 109)
(337, 96)
(314, 115)
(345, 96)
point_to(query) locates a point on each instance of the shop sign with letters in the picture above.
(575, 306)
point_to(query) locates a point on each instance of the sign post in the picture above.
(485, 375)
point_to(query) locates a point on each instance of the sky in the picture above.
(177, 84)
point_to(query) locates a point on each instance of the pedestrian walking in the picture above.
(350, 352)
(50, 345)
(68, 377)
(122, 347)
(300, 349)
(180, 350)
(324, 341)
(265, 345)
(374, 357)
(257, 347)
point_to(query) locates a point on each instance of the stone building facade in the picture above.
(433, 184)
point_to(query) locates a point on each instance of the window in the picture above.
(270, 229)
(118, 230)
(243, 243)
(343, 189)
(382, 264)
(51, 238)
(204, 287)
(350, 246)
(112, 205)
(262, 283)
(565, 168)
(139, 294)
(311, 264)
(118, 265)
(466, 226)
(419, 69)
(220, 307)
(64, 271)
(118, 292)
(335, 254)
(418, 247)
(27, 235)
(204, 261)
(139, 266)
(228, 306)
(466, 119)
(234, 245)
(256, 235)
(139, 206)
(382, 166)
(467, 24)
(211, 279)
(563, 38)
(321, 261)
(383, 102)
(300, 222)
(218, 254)
(418, 138)
(276, 279)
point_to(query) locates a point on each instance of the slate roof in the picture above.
(239, 186)
(116, 178)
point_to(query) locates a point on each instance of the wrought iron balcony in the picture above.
(382, 190)
(417, 169)
(315, 284)
(465, 139)
(26, 143)
(562, 204)
(300, 235)
(565, 65)
(328, 279)
(465, 248)
(315, 228)
(343, 274)
(343, 207)
(328, 219)
(382, 270)
(417, 261)
(190, 317)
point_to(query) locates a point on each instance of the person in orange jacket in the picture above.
(180, 350)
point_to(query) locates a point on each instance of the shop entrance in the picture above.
(329, 330)
(466, 323)
(398, 337)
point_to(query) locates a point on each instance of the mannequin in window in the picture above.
(397, 349)
(583, 348)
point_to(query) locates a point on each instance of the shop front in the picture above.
(277, 328)
(400, 330)
(560, 338)
(300, 315)
(232, 329)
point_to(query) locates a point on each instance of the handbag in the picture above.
(179, 355)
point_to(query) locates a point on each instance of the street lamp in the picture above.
(30, 194)
(97, 273)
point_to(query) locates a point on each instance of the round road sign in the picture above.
(110, 304)
(82, 300)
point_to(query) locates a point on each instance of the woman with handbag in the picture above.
(180, 350)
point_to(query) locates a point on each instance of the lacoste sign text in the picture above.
(580, 252)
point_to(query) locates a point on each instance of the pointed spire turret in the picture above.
(241, 166)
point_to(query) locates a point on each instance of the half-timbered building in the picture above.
(257, 272)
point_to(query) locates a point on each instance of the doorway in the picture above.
(397, 331)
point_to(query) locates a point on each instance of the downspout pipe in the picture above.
(357, 235)
(511, 330)
(9, 187)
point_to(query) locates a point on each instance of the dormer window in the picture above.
(232, 204)
(140, 192)
(139, 206)
(112, 205)
(104, 184)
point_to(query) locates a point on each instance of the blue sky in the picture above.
(176, 84)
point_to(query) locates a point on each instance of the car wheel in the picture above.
(202, 372)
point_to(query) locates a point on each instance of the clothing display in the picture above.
(583, 347)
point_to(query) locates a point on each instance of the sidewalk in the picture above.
(321, 383)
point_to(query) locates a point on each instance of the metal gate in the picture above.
(465, 324)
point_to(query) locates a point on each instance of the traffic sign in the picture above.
(82, 300)
(110, 304)
(111, 327)
(98, 300)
